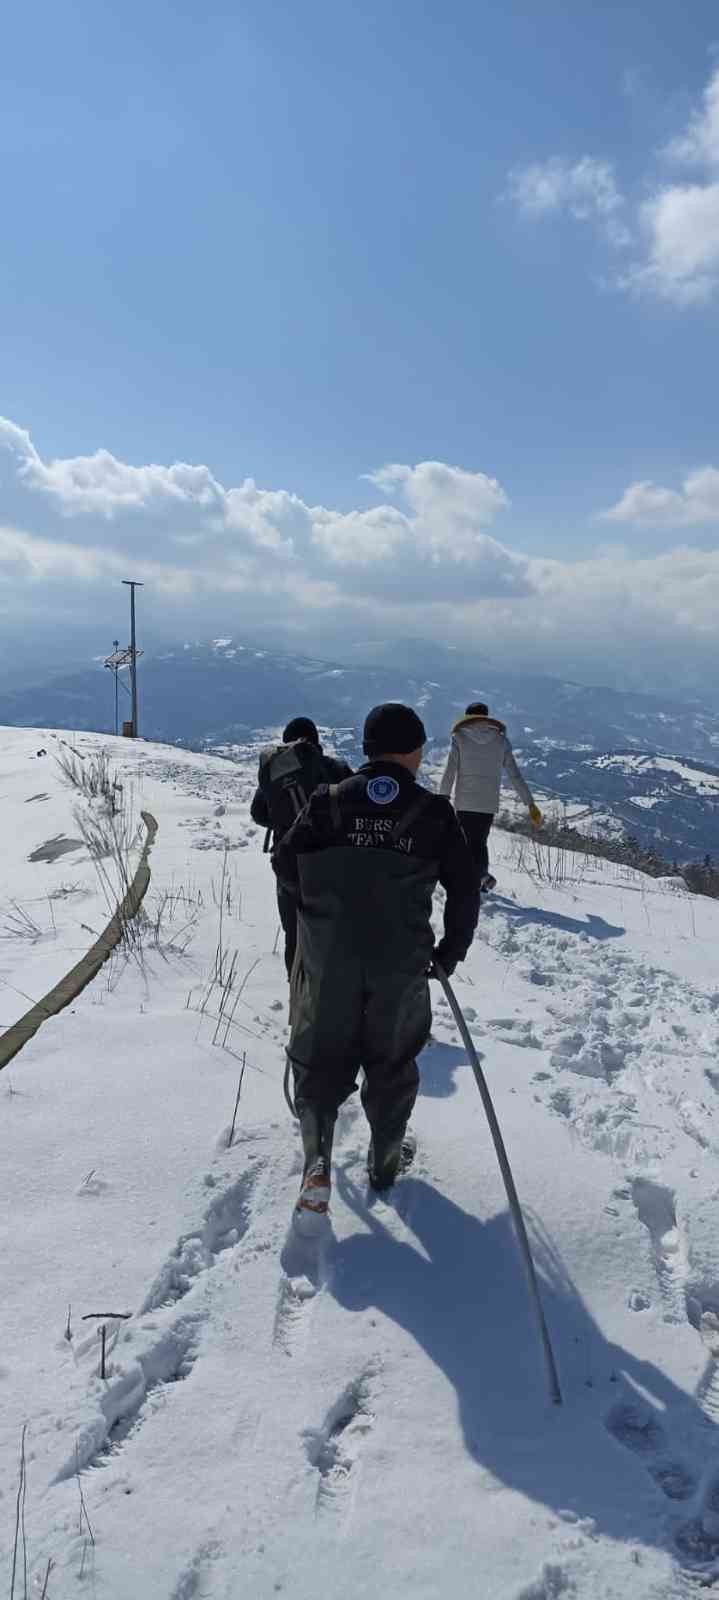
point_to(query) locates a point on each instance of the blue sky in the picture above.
(294, 244)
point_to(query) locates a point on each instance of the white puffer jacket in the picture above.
(479, 753)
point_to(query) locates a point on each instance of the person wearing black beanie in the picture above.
(392, 727)
(288, 774)
(301, 728)
(362, 862)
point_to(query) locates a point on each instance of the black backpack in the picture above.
(290, 773)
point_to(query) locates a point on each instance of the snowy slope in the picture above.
(372, 1418)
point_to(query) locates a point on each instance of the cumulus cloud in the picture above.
(450, 506)
(647, 504)
(361, 538)
(421, 561)
(681, 228)
(674, 233)
(656, 608)
(231, 534)
(698, 145)
(586, 189)
(102, 485)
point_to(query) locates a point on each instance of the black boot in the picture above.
(317, 1130)
(390, 1161)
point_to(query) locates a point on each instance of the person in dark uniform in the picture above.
(288, 774)
(362, 862)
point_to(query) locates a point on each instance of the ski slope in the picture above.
(369, 1417)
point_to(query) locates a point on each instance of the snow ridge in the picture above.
(366, 1411)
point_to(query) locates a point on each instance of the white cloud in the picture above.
(667, 604)
(450, 506)
(27, 557)
(361, 538)
(250, 534)
(675, 232)
(681, 227)
(648, 505)
(422, 562)
(101, 485)
(698, 145)
(586, 189)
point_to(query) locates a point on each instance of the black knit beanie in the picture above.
(392, 729)
(477, 709)
(300, 728)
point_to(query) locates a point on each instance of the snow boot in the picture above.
(317, 1132)
(396, 1160)
(313, 1200)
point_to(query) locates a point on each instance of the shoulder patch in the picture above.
(382, 791)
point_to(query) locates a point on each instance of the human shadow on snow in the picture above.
(464, 1301)
(594, 927)
(438, 1063)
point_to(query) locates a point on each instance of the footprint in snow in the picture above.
(515, 1030)
(635, 1426)
(304, 1272)
(190, 1583)
(294, 1301)
(226, 1222)
(152, 1356)
(553, 1582)
(334, 1449)
(655, 1207)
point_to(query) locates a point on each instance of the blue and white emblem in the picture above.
(382, 791)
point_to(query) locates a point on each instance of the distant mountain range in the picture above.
(664, 802)
(578, 742)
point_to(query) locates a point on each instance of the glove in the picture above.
(446, 963)
(535, 815)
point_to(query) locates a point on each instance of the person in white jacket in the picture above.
(479, 754)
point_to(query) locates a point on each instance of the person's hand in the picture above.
(535, 815)
(448, 967)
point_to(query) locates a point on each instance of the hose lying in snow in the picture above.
(73, 983)
(509, 1184)
(287, 1090)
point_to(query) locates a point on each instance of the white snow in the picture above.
(370, 1415)
(705, 783)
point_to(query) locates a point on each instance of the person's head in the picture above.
(300, 728)
(393, 732)
(477, 709)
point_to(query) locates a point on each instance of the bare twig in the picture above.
(20, 1520)
(83, 1508)
(237, 1101)
(20, 925)
(92, 776)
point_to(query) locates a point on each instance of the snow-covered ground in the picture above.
(371, 1419)
(704, 782)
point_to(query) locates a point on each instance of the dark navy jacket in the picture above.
(363, 859)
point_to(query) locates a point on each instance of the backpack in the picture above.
(290, 774)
